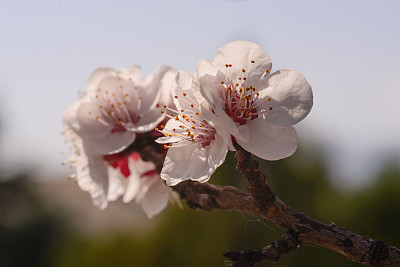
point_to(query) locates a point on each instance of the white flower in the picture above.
(258, 108)
(103, 125)
(107, 177)
(197, 146)
(117, 105)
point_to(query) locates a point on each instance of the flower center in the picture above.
(192, 125)
(118, 103)
(241, 97)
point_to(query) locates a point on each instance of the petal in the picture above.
(177, 163)
(92, 177)
(86, 115)
(70, 115)
(241, 54)
(132, 188)
(132, 73)
(145, 184)
(156, 198)
(208, 82)
(112, 142)
(98, 135)
(149, 87)
(193, 162)
(221, 121)
(166, 85)
(182, 92)
(148, 121)
(291, 97)
(96, 77)
(217, 153)
(137, 186)
(270, 141)
(116, 186)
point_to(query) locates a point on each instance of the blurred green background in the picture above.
(54, 224)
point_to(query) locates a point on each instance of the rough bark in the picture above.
(262, 202)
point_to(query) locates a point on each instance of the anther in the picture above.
(252, 61)
(176, 97)
(270, 108)
(184, 94)
(222, 82)
(165, 106)
(243, 70)
(269, 99)
(266, 71)
(162, 111)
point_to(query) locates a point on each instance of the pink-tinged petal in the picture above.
(242, 55)
(112, 142)
(221, 121)
(92, 176)
(167, 83)
(150, 86)
(99, 136)
(217, 153)
(177, 164)
(193, 162)
(89, 117)
(145, 184)
(148, 121)
(270, 141)
(132, 188)
(182, 91)
(69, 116)
(207, 81)
(291, 97)
(116, 186)
(137, 186)
(96, 77)
(133, 73)
(156, 198)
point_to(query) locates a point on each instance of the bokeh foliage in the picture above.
(32, 235)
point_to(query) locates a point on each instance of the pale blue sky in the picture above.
(348, 50)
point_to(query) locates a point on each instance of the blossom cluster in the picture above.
(234, 98)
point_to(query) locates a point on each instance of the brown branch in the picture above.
(273, 252)
(264, 203)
